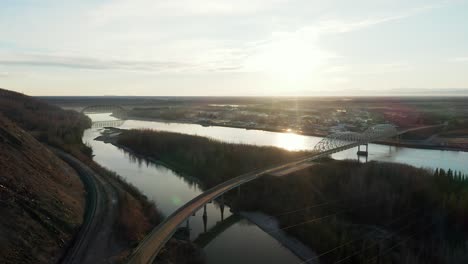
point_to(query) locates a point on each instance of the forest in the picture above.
(47, 123)
(63, 129)
(384, 212)
(344, 210)
(211, 161)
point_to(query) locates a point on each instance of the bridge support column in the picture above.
(205, 218)
(363, 152)
(221, 207)
(365, 158)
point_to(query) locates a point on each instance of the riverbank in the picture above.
(415, 144)
(399, 191)
(263, 221)
(268, 224)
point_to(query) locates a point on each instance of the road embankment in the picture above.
(95, 241)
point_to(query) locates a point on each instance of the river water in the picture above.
(241, 241)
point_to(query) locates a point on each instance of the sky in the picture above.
(238, 48)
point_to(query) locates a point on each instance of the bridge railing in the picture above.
(340, 139)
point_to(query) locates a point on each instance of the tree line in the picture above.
(48, 123)
(343, 210)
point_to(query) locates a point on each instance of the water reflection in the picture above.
(102, 120)
(291, 141)
(417, 157)
(241, 242)
(170, 190)
(192, 182)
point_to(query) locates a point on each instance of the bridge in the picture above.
(107, 123)
(117, 111)
(148, 249)
(96, 109)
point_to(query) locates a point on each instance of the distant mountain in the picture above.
(381, 92)
(426, 92)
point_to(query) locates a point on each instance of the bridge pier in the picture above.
(221, 207)
(205, 218)
(188, 226)
(363, 152)
(365, 158)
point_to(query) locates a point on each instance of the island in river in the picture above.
(316, 116)
(367, 208)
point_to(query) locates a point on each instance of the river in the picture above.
(242, 241)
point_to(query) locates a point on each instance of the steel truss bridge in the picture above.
(148, 249)
(116, 110)
(345, 140)
(96, 109)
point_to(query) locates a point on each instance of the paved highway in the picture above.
(148, 249)
(91, 244)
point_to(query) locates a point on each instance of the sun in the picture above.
(290, 57)
(290, 141)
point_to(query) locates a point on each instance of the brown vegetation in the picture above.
(41, 199)
(47, 123)
(63, 129)
(137, 214)
(388, 212)
(180, 252)
(376, 206)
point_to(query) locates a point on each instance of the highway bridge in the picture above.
(119, 113)
(107, 123)
(96, 109)
(148, 249)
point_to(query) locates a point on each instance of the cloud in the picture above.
(139, 41)
(343, 26)
(74, 62)
(123, 9)
(460, 59)
(299, 51)
(380, 68)
(293, 54)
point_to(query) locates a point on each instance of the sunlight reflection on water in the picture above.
(290, 141)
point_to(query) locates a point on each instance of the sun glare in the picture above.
(290, 141)
(290, 57)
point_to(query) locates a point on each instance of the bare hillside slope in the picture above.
(41, 197)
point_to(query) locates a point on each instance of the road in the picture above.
(148, 249)
(94, 242)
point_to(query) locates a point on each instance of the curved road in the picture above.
(93, 243)
(148, 249)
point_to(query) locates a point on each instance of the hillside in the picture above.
(42, 199)
(47, 123)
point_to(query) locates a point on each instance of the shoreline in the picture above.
(413, 145)
(265, 222)
(270, 226)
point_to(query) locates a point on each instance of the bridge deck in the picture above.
(148, 249)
